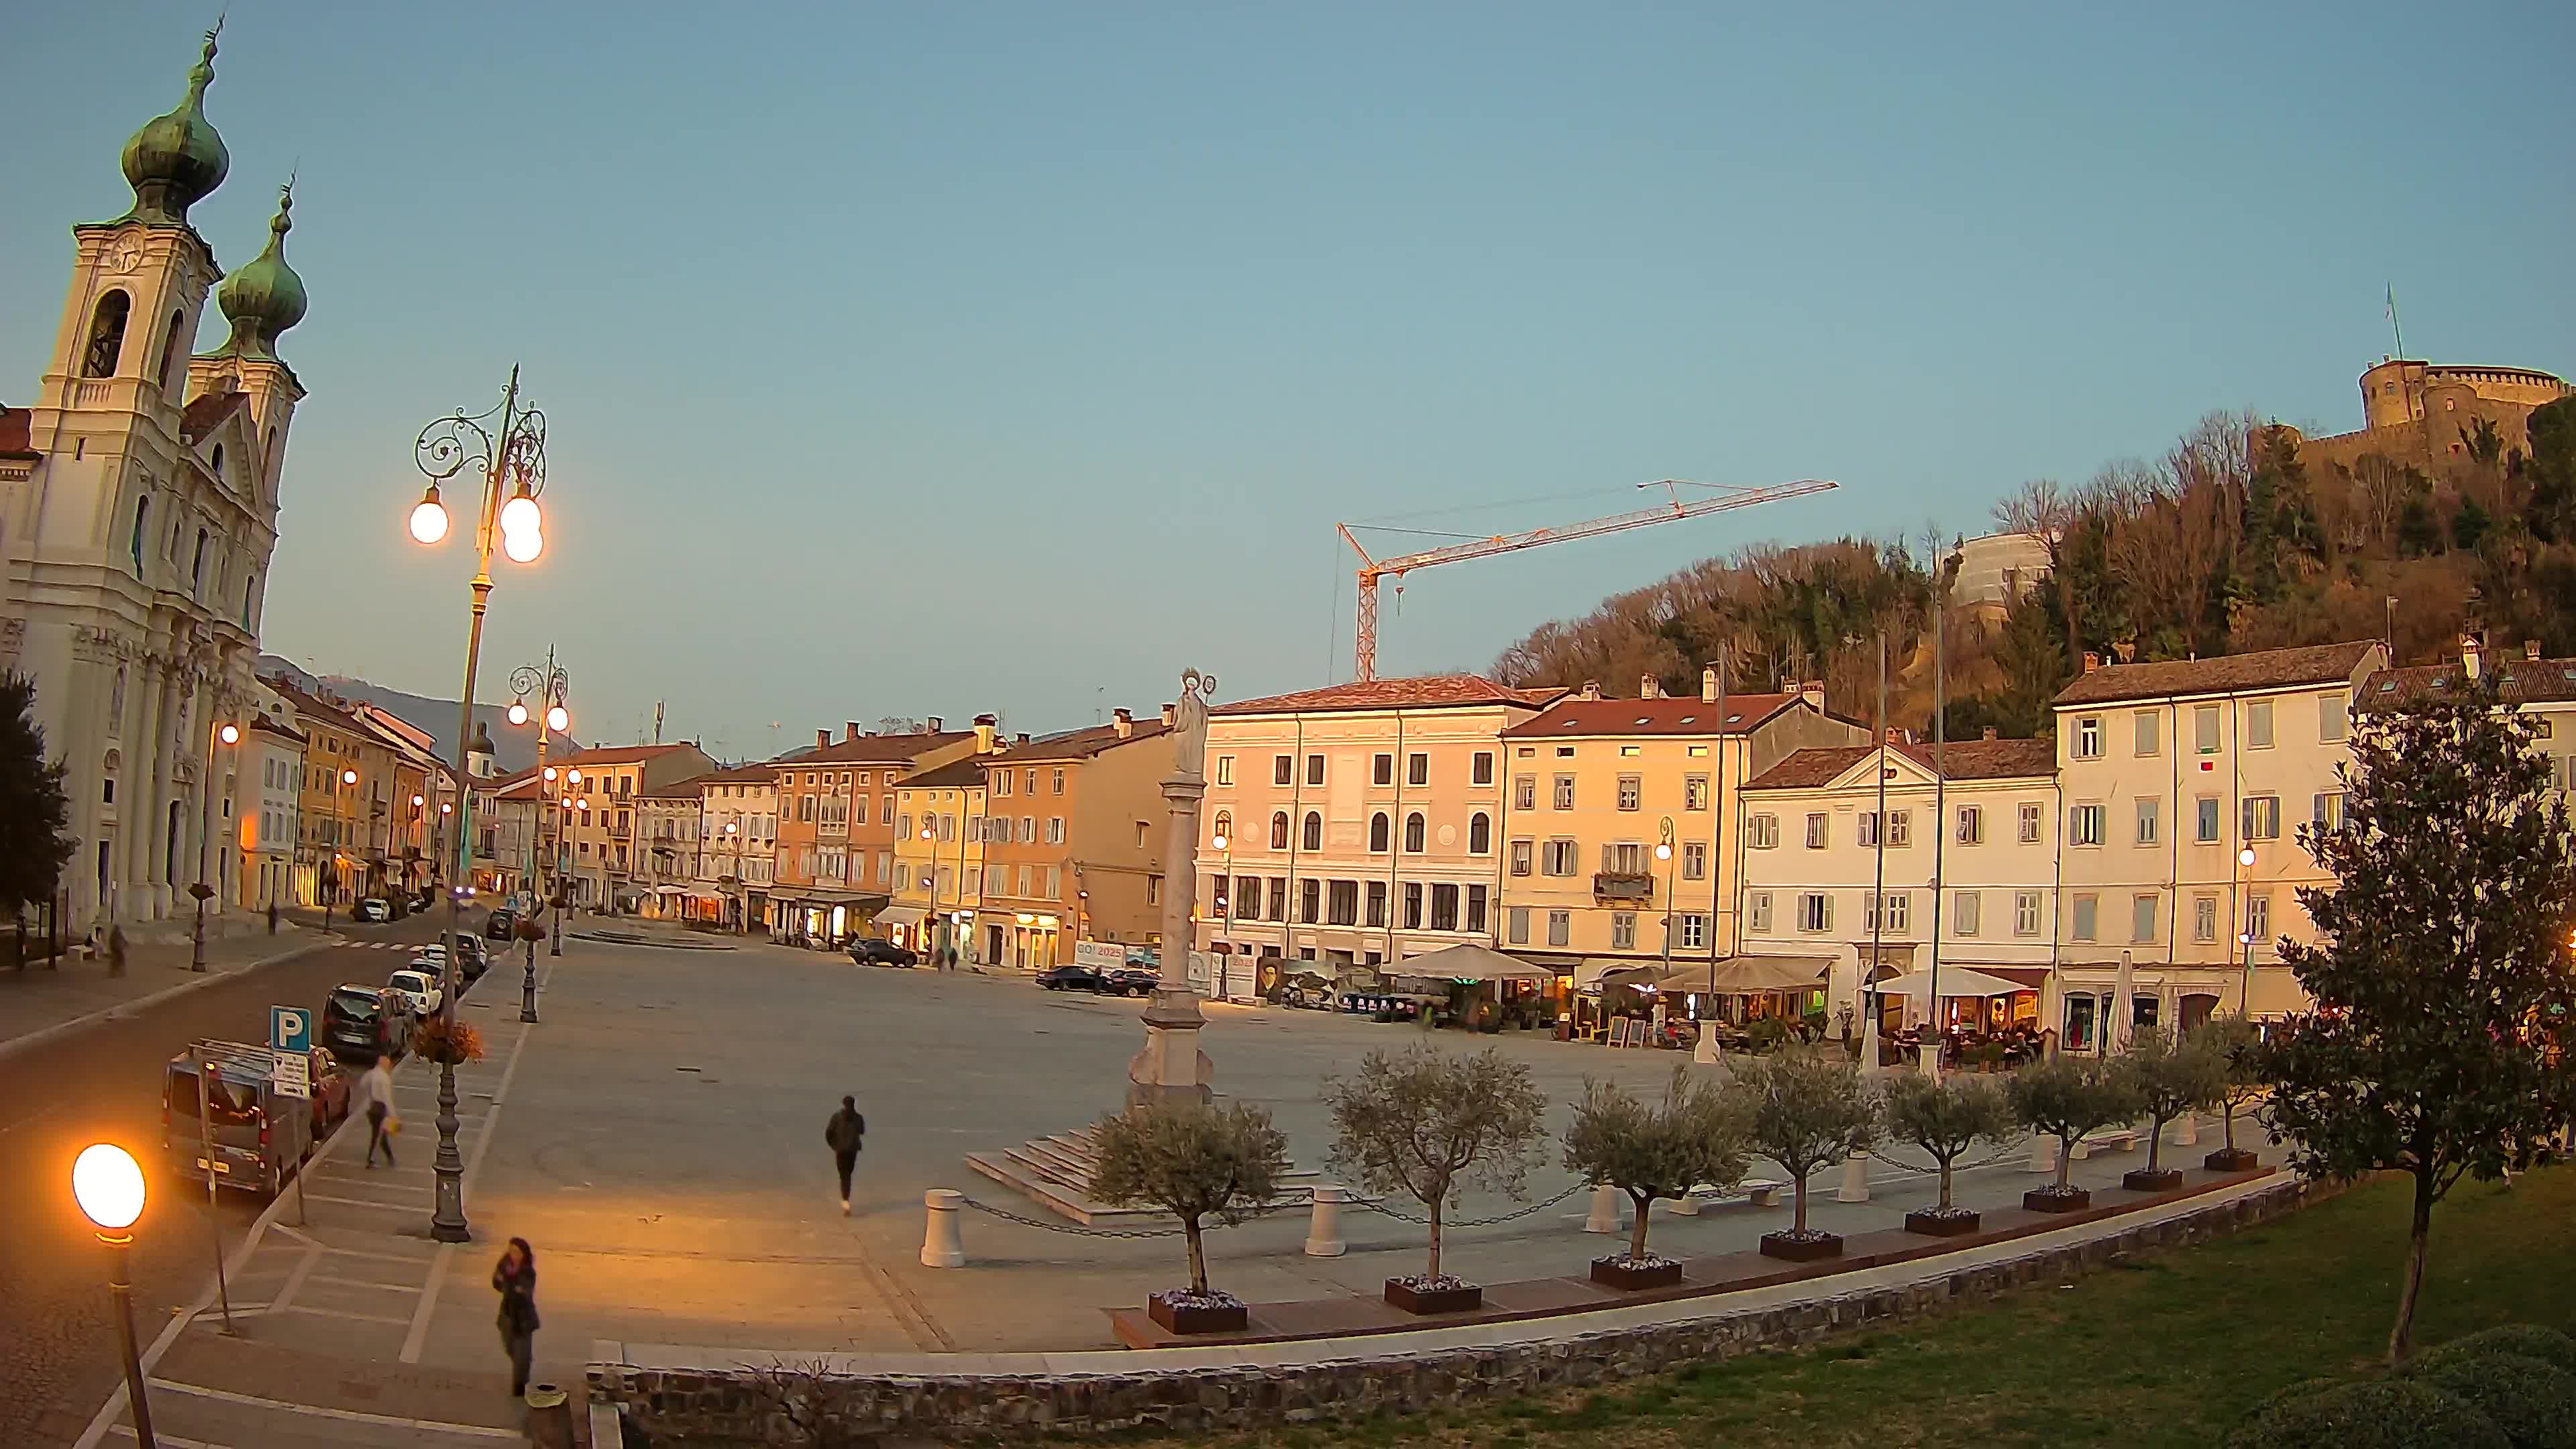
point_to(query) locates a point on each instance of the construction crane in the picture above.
(1373, 569)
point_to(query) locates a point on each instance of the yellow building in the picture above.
(1621, 828)
(938, 858)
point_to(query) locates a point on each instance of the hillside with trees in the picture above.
(2230, 541)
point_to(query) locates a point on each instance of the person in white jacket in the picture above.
(374, 1095)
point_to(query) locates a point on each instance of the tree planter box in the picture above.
(1801, 1250)
(1614, 1272)
(2231, 1159)
(2047, 1200)
(2141, 1180)
(1194, 1315)
(1935, 1224)
(1461, 1298)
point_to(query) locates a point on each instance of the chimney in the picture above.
(822, 738)
(1895, 736)
(1021, 738)
(985, 727)
(2469, 655)
(1812, 691)
(1169, 712)
(2092, 661)
(934, 725)
(1989, 734)
(849, 730)
(1648, 688)
(1592, 689)
(1123, 722)
(1708, 685)
(2531, 650)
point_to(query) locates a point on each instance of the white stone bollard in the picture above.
(1605, 1210)
(1687, 1205)
(2043, 1153)
(1324, 1223)
(1855, 1186)
(2187, 1130)
(940, 1245)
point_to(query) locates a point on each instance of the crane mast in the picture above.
(1373, 569)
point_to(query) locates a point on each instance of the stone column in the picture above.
(1171, 1067)
(152, 897)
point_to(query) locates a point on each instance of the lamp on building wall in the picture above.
(512, 465)
(223, 736)
(2246, 938)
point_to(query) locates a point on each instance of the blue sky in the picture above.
(933, 359)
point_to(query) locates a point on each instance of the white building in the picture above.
(668, 820)
(738, 854)
(1986, 823)
(138, 510)
(2171, 772)
(271, 753)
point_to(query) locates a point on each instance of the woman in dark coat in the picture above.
(516, 1281)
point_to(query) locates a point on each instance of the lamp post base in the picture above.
(528, 988)
(121, 1288)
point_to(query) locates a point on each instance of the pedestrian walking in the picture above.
(272, 918)
(375, 1094)
(115, 950)
(843, 1135)
(515, 1279)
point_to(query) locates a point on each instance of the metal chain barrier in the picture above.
(1402, 1216)
(1079, 1231)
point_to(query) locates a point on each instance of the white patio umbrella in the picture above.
(1955, 981)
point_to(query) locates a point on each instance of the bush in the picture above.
(2379, 1414)
(2521, 1340)
(2533, 1402)
(1766, 1034)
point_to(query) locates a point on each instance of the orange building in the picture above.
(1074, 829)
(835, 863)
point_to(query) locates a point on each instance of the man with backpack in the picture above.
(843, 1135)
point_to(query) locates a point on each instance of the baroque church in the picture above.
(138, 510)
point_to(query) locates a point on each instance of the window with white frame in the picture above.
(1417, 769)
(2084, 825)
(1523, 852)
(1965, 909)
(1557, 857)
(1564, 792)
(1055, 830)
(1695, 792)
(2329, 810)
(1694, 860)
(2204, 728)
(2258, 724)
(1623, 930)
(1481, 768)
(2026, 913)
(2262, 817)
(1757, 911)
(1817, 827)
(2031, 817)
(1525, 792)
(1762, 832)
(2088, 737)
(2146, 722)
(1516, 926)
(1283, 769)
(1225, 769)
(2204, 918)
(1867, 821)
(1631, 792)
(1972, 825)
(1560, 927)
(1815, 911)
(1694, 932)
(1382, 769)
(1900, 827)
(2258, 916)
(2149, 818)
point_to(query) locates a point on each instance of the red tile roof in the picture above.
(1079, 744)
(206, 411)
(2520, 680)
(761, 772)
(968, 772)
(16, 437)
(1573, 717)
(874, 749)
(618, 755)
(1962, 759)
(2224, 674)
(1429, 691)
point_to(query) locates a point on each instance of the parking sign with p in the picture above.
(290, 1029)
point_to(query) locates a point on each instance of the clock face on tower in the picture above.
(125, 256)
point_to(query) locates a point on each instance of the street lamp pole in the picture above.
(2245, 937)
(227, 735)
(550, 685)
(108, 1184)
(514, 465)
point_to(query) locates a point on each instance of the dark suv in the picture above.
(503, 922)
(361, 1023)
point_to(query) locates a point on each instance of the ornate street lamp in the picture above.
(505, 449)
(550, 686)
(227, 736)
(108, 1185)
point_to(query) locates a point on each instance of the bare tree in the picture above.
(796, 1394)
(2047, 512)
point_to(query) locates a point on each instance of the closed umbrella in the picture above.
(1868, 1025)
(2116, 1031)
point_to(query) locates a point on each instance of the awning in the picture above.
(1471, 962)
(1749, 975)
(1956, 981)
(902, 916)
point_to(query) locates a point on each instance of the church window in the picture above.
(142, 506)
(107, 335)
(219, 462)
(170, 353)
(197, 564)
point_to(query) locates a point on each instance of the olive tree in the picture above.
(2067, 1097)
(2235, 1044)
(1946, 1118)
(1194, 1161)
(1804, 1112)
(2172, 1074)
(1655, 1150)
(1429, 1123)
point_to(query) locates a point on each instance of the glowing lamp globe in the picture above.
(1663, 852)
(348, 777)
(429, 517)
(550, 772)
(559, 719)
(229, 734)
(574, 776)
(2245, 857)
(521, 515)
(518, 711)
(522, 545)
(1218, 841)
(108, 1184)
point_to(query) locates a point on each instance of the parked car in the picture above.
(362, 1022)
(1129, 981)
(1072, 978)
(375, 909)
(873, 952)
(261, 1136)
(502, 922)
(472, 959)
(419, 982)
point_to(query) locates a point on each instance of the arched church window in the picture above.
(219, 462)
(197, 564)
(142, 510)
(170, 353)
(107, 335)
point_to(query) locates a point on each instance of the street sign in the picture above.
(290, 1029)
(290, 1074)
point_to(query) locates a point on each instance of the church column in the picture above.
(134, 790)
(175, 727)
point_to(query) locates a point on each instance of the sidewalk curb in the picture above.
(78, 1024)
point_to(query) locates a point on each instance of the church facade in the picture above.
(138, 512)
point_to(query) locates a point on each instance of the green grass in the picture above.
(2168, 1350)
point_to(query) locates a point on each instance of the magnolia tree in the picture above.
(2067, 1097)
(2440, 960)
(2172, 1074)
(2235, 1044)
(1655, 1150)
(1946, 1118)
(1804, 1112)
(1193, 1161)
(1428, 1124)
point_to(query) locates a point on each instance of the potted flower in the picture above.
(1650, 1152)
(448, 1042)
(1427, 1124)
(1945, 1118)
(1804, 1112)
(2067, 1097)
(1196, 1162)
(2233, 1040)
(2171, 1075)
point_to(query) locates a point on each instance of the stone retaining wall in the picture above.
(731, 1408)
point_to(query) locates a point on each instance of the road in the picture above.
(57, 1335)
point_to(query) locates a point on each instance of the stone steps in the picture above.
(1055, 1173)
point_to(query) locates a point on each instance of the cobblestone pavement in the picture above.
(57, 1341)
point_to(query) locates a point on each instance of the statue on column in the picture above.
(1190, 722)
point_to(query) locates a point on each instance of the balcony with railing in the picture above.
(1623, 886)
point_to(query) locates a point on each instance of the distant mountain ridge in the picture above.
(514, 746)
